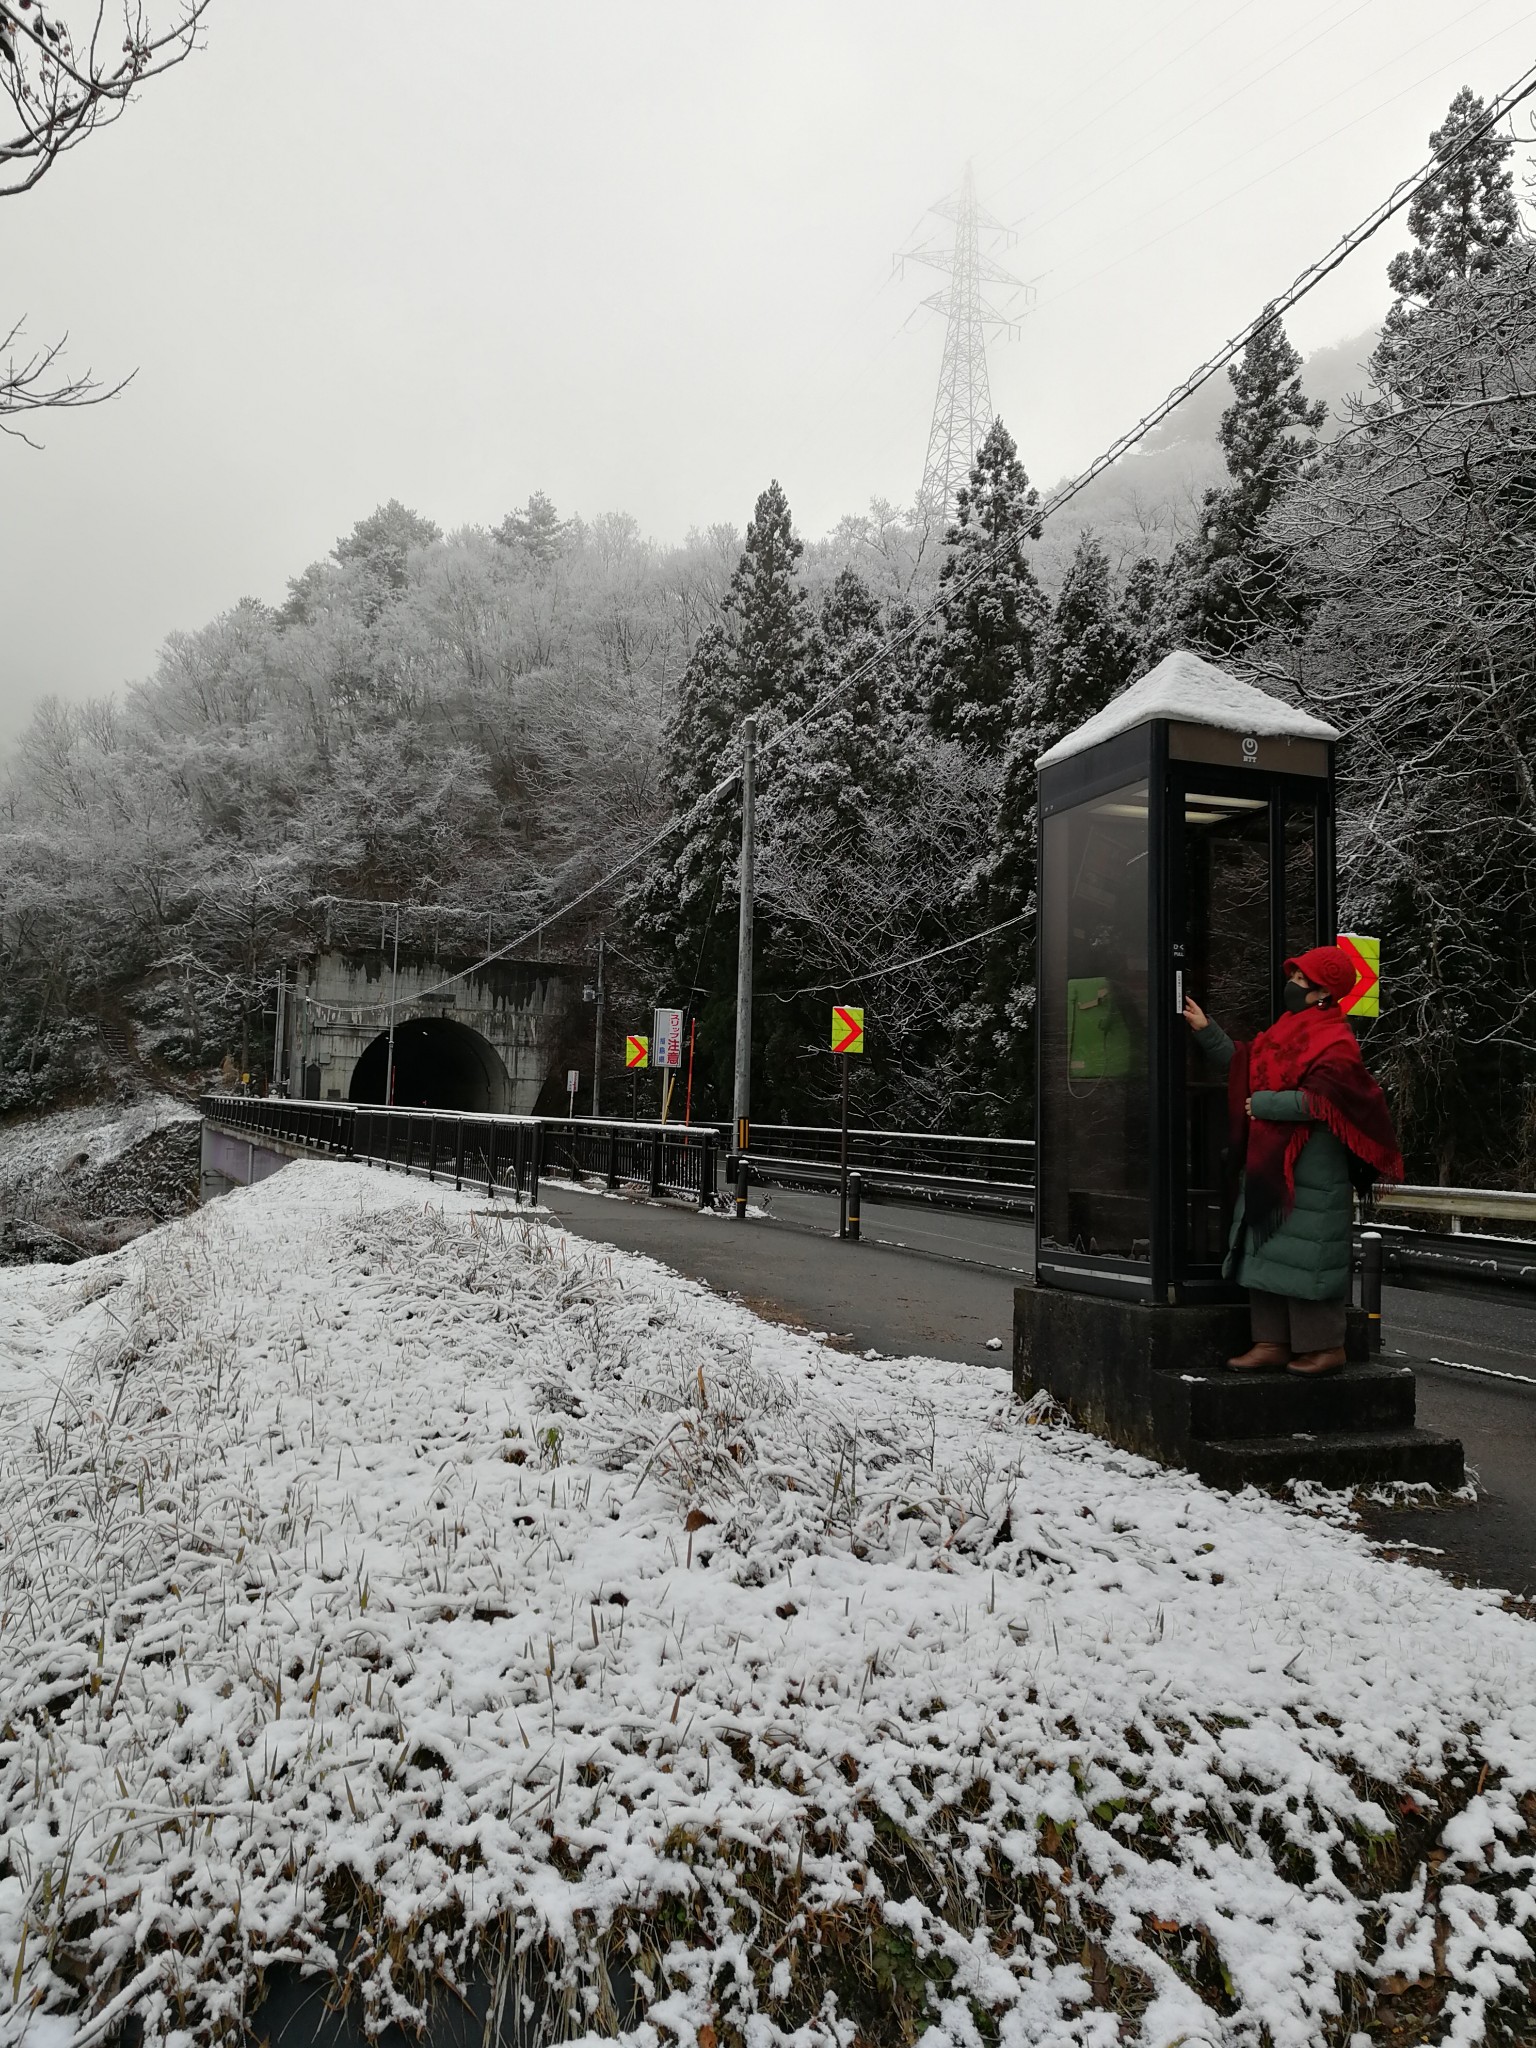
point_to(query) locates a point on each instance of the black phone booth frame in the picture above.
(1145, 1124)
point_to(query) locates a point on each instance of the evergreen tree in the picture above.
(825, 895)
(1091, 653)
(758, 661)
(538, 530)
(984, 662)
(383, 541)
(1464, 210)
(1150, 608)
(1233, 580)
(844, 759)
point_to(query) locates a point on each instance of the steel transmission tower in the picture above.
(962, 411)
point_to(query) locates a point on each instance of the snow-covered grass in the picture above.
(388, 1584)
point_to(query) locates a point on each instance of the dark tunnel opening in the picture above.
(438, 1065)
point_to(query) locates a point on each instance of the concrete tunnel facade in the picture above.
(490, 1040)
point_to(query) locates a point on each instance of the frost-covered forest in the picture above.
(482, 724)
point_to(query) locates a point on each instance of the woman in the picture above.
(1306, 1121)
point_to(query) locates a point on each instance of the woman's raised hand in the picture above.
(1194, 1016)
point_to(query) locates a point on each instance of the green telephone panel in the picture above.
(1098, 1036)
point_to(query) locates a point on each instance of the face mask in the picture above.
(1294, 996)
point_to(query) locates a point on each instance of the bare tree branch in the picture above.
(28, 384)
(62, 84)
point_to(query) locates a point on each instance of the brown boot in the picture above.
(1261, 1358)
(1312, 1363)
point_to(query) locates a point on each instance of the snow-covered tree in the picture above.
(1233, 582)
(1465, 211)
(1091, 652)
(985, 659)
(1415, 540)
(757, 660)
(537, 529)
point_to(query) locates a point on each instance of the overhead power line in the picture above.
(1401, 195)
(902, 966)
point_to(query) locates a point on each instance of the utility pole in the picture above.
(394, 983)
(275, 1085)
(743, 1090)
(597, 1050)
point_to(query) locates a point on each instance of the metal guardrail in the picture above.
(1490, 1205)
(504, 1154)
(1424, 1258)
(932, 1168)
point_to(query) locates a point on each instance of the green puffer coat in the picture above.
(1308, 1256)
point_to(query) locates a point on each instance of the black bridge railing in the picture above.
(507, 1154)
(932, 1167)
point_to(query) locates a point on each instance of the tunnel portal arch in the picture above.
(439, 1064)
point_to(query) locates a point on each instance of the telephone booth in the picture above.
(1185, 847)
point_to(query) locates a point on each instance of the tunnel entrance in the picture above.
(438, 1065)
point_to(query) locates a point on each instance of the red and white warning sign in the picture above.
(667, 1038)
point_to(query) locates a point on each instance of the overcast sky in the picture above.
(640, 257)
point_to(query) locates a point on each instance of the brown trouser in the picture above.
(1303, 1325)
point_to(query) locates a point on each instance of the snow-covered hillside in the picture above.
(384, 1579)
(90, 1178)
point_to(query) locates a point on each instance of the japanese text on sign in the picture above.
(667, 1033)
(847, 1028)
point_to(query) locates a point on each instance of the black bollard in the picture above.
(743, 1182)
(855, 1197)
(1370, 1285)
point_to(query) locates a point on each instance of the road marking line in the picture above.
(1489, 1371)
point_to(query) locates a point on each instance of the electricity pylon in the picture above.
(962, 411)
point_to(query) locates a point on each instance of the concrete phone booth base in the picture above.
(1144, 1377)
(1185, 848)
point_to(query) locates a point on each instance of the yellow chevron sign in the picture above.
(1364, 999)
(847, 1029)
(637, 1051)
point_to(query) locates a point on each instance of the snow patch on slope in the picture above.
(38, 1149)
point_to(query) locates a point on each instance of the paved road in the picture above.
(941, 1284)
(1475, 1358)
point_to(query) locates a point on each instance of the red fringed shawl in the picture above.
(1313, 1050)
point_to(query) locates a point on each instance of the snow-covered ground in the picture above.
(381, 1574)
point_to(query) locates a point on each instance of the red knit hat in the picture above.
(1327, 967)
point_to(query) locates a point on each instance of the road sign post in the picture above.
(572, 1083)
(847, 1039)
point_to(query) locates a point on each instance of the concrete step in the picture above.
(1343, 1458)
(1373, 1396)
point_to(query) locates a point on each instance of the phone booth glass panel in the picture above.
(1093, 1029)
